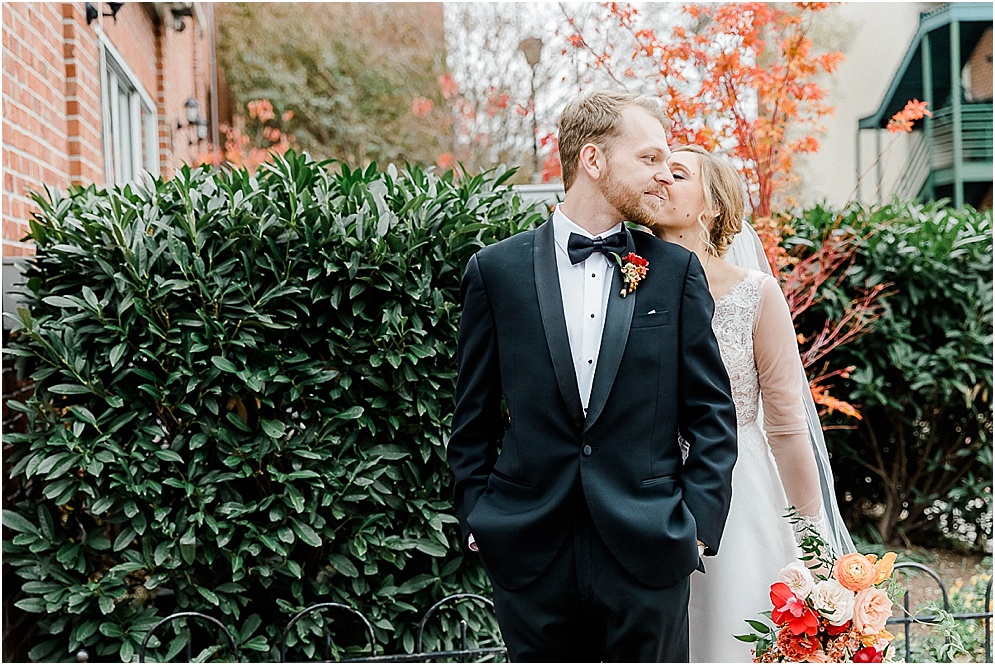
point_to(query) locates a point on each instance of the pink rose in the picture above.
(798, 578)
(871, 611)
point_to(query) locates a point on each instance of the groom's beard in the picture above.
(630, 203)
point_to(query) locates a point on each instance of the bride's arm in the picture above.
(775, 349)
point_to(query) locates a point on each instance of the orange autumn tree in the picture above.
(250, 141)
(808, 277)
(486, 127)
(742, 79)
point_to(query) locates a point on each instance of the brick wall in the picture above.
(53, 119)
(35, 133)
(53, 136)
(980, 66)
(82, 96)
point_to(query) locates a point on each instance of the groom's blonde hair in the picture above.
(722, 187)
(597, 118)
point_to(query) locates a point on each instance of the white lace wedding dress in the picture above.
(758, 541)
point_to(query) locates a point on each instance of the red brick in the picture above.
(53, 117)
(13, 230)
(11, 249)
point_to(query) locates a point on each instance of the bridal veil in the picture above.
(746, 251)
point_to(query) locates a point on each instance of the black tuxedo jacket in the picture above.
(524, 468)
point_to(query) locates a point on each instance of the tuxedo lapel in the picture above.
(618, 318)
(551, 308)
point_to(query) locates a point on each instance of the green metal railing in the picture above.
(976, 135)
(916, 170)
(927, 157)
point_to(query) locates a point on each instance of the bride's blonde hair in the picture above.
(723, 192)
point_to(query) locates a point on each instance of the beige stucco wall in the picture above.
(874, 37)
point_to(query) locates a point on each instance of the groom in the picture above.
(569, 479)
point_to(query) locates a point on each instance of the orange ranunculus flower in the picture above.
(796, 648)
(854, 571)
(871, 611)
(884, 567)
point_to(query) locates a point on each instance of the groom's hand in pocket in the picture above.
(472, 543)
(701, 553)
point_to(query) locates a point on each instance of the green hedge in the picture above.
(243, 391)
(918, 466)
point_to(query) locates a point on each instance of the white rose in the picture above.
(798, 578)
(833, 601)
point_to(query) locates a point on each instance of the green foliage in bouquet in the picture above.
(242, 394)
(919, 462)
(827, 607)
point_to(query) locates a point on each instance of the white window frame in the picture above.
(142, 149)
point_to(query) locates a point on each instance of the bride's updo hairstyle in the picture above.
(723, 190)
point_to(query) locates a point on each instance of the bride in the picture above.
(782, 460)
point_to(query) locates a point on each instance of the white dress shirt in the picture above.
(584, 288)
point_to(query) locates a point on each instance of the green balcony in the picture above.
(950, 154)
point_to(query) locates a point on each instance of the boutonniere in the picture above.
(634, 269)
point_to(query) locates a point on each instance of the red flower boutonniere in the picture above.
(634, 269)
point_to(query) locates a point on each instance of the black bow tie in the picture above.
(580, 247)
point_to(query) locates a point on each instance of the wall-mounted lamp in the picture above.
(92, 13)
(180, 11)
(195, 124)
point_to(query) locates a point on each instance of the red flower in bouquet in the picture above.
(868, 655)
(833, 631)
(634, 269)
(790, 609)
(820, 616)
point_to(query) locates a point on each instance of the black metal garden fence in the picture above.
(908, 619)
(467, 651)
(464, 654)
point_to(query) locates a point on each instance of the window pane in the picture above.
(130, 126)
(150, 130)
(137, 137)
(124, 113)
(113, 127)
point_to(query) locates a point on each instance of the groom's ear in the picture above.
(592, 160)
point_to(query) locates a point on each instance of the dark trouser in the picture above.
(587, 608)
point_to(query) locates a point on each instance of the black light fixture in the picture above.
(180, 11)
(191, 108)
(92, 13)
(194, 121)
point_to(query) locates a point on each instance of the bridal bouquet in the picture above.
(834, 612)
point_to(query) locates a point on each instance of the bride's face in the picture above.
(684, 200)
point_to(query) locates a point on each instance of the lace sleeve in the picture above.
(778, 365)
